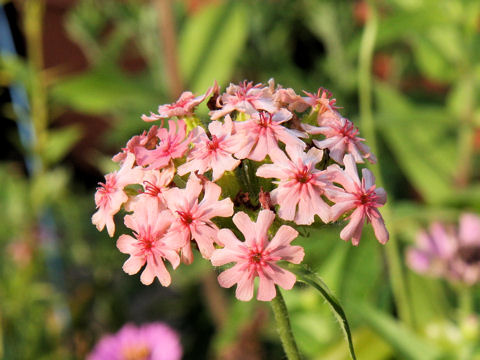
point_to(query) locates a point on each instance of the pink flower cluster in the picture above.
(167, 183)
(448, 251)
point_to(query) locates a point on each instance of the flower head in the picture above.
(154, 341)
(363, 197)
(184, 106)
(172, 145)
(257, 256)
(213, 153)
(110, 195)
(148, 244)
(192, 218)
(246, 98)
(340, 138)
(300, 187)
(155, 184)
(146, 140)
(321, 101)
(263, 131)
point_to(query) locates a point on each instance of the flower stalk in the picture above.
(397, 276)
(283, 327)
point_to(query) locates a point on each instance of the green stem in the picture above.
(33, 25)
(465, 302)
(283, 327)
(396, 273)
(466, 141)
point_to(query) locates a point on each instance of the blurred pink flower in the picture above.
(173, 145)
(192, 219)
(301, 184)
(263, 131)
(363, 197)
(149, 226)
(340, 138)
(110, 195)
(215, 153)
(257, 256)
(184, 106)
(448, 252)
(154, 341)
(245, 98)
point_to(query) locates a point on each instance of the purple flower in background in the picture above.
(449, 252)
(154, 341)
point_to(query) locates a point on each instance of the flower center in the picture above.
(151, 189)
(368, 198)
(213, 144)
(304, 175)
(147, 241)
(349, 130)
(265, 119)
(470, 254)
(256, 257)
(139, 352)
(186, 217)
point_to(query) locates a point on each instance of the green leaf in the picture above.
(210, 44)
(305, 275)
(406, 343)
(104, 90)
(60, 142)
(428, 158)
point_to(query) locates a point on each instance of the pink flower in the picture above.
(257, 256)
(263, 131)
(340, 138)
(448, 252)
(110, 195)
(433, 250)
(146, 140)
(149, 246)
(215, 153)
(321, 101)
(153, 341)
(288, 97)
(184, 106)
(173, 145)
(192, 219)
(361, 197)
(245, 98)
(155, 184)
(300, 184)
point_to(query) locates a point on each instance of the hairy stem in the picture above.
(396, 273)
(283, 327)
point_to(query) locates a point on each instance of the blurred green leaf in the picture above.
(406, 343)
(368, 345)
(421, 140)
(428, 299)
(240, 313)
(431, 61)
(104, 90)
(48, 187)
(307, 276)
(210, 44)
(60, 142)
(14, 69)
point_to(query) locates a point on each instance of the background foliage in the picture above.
(407, 72)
